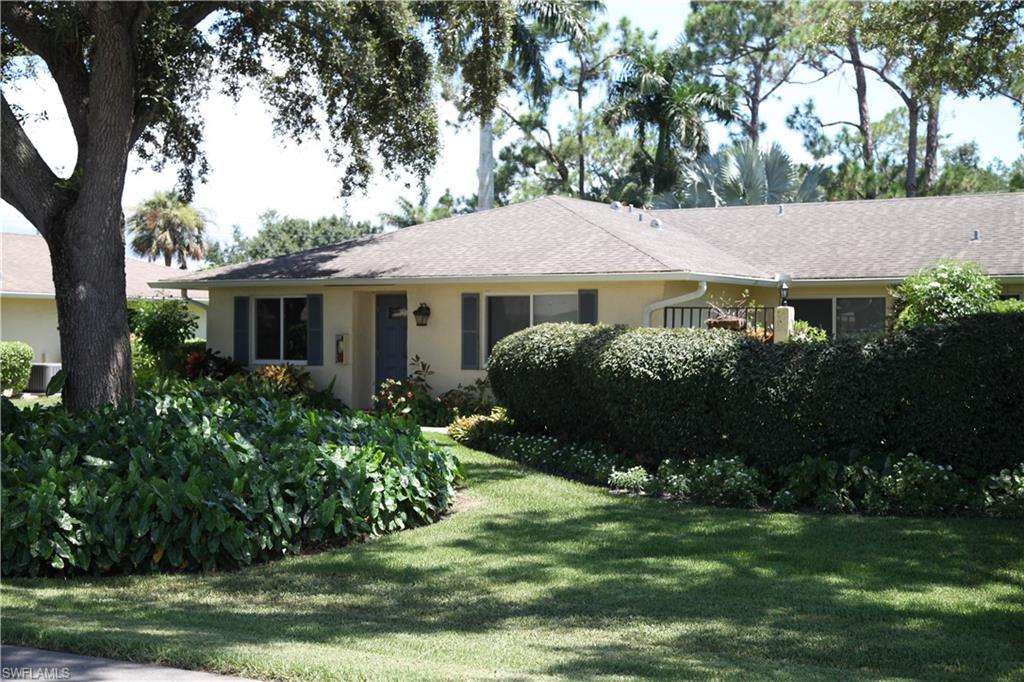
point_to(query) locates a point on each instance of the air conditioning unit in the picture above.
(40, 377)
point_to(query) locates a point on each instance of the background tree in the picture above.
(847, 178)
(834, 41)
(166, 226)
(743, 175)
(131, 76)
(279, 235)
(929, 48)
(411, 213)
(660, 93)
(753, 46)
(508, 39)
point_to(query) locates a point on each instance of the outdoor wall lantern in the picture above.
(783, 280)
(422, 314)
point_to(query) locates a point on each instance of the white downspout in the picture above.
(702, 288)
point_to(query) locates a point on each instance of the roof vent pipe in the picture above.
(640, 217)
(977, 236)
(630, 206)
(780, 209)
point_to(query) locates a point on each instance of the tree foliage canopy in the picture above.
(279, 235)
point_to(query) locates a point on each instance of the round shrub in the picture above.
(15, 366)
(479, 430)
(187, 481)
(533, 373)
(949, 290)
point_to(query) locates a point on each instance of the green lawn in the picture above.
(36, 400)
(540, 577)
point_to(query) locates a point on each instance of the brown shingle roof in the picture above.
(25, 269)
(883, 238)
(559, 236)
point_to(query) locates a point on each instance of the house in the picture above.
(448, 290)
(28, 308)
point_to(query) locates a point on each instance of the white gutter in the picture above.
(702, 288)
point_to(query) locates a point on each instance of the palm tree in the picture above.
(656, 95)
(743, 175)
(165, 225)
(410, 213)
(514, 35)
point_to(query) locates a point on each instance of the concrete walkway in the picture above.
(19, 662)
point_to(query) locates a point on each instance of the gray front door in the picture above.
(392, 342)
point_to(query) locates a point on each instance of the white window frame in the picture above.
(255, 331)
(487, 311)
(835, 306)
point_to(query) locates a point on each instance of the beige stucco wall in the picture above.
(350, 311)
(34, 321)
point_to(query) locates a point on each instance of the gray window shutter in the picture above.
(241, 353)
(588, 306)
(471, 331)
(315, 329)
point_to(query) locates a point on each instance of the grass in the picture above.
(540, 577)
(43, 400)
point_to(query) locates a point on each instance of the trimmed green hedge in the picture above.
(952, 393)
(15, 365)
(189, 481)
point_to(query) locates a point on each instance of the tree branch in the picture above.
(26, 181)
(839, 123)
(547, 150)
(187, 18)
(64, 60)
(191, 15)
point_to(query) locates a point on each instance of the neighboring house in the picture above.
(28, 308)
(348, 311)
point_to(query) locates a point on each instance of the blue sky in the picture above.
(253, 171)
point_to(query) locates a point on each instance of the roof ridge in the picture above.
(862, 202)
(556, 200)
(753, 267)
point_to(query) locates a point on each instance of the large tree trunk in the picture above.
(913, 114)
(754, 104)
(867, 136)
(664, 170)
(579, 131)
(931, 145)
(485, 169)
(87, 256)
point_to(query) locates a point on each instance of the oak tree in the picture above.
(356, 75)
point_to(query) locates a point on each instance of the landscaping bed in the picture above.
(192, 479)
(923, 422)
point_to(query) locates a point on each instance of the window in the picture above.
(814, 311)
(860, 316)
(506, 315)
(842, 316)
(509, 314)
(282, 329)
